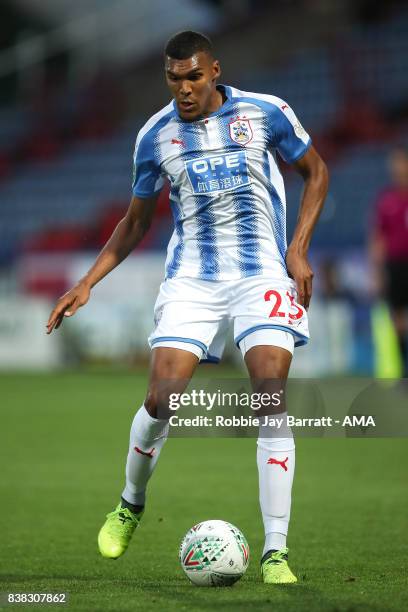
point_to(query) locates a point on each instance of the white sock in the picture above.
(276, 466)
(147, 437)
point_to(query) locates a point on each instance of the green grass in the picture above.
(63, 446)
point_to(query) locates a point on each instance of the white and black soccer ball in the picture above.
(214, 553)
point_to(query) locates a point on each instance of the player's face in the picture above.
(193, 84)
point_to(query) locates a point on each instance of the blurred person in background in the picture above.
(389, 247)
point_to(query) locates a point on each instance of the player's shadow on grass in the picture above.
(237, 598)
(284, 598)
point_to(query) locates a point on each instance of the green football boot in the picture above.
(116, 533)
(275, 568)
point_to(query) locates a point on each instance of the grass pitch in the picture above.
(63, 445)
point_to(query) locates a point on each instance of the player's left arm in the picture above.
(316, 181)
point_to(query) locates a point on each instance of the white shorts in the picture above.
(194, 315)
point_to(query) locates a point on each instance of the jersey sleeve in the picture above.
(288, 136)
(147, 176)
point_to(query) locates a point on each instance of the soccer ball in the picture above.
(214, 553)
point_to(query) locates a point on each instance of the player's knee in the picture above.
(157, 402)
(152, 403)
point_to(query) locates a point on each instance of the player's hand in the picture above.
(68, 304)
(299, 269)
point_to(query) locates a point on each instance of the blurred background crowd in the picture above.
(78, 79)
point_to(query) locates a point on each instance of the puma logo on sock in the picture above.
(277, 462)
(148, 454)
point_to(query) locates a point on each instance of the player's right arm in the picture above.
(125, 237)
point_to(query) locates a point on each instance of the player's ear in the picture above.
(216, 69)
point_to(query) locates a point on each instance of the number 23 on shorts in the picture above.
(284, 306)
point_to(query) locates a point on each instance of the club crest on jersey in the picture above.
(240, 130)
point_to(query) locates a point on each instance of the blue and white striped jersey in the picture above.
(227, 194)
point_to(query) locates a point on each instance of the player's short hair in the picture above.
(185, 44)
